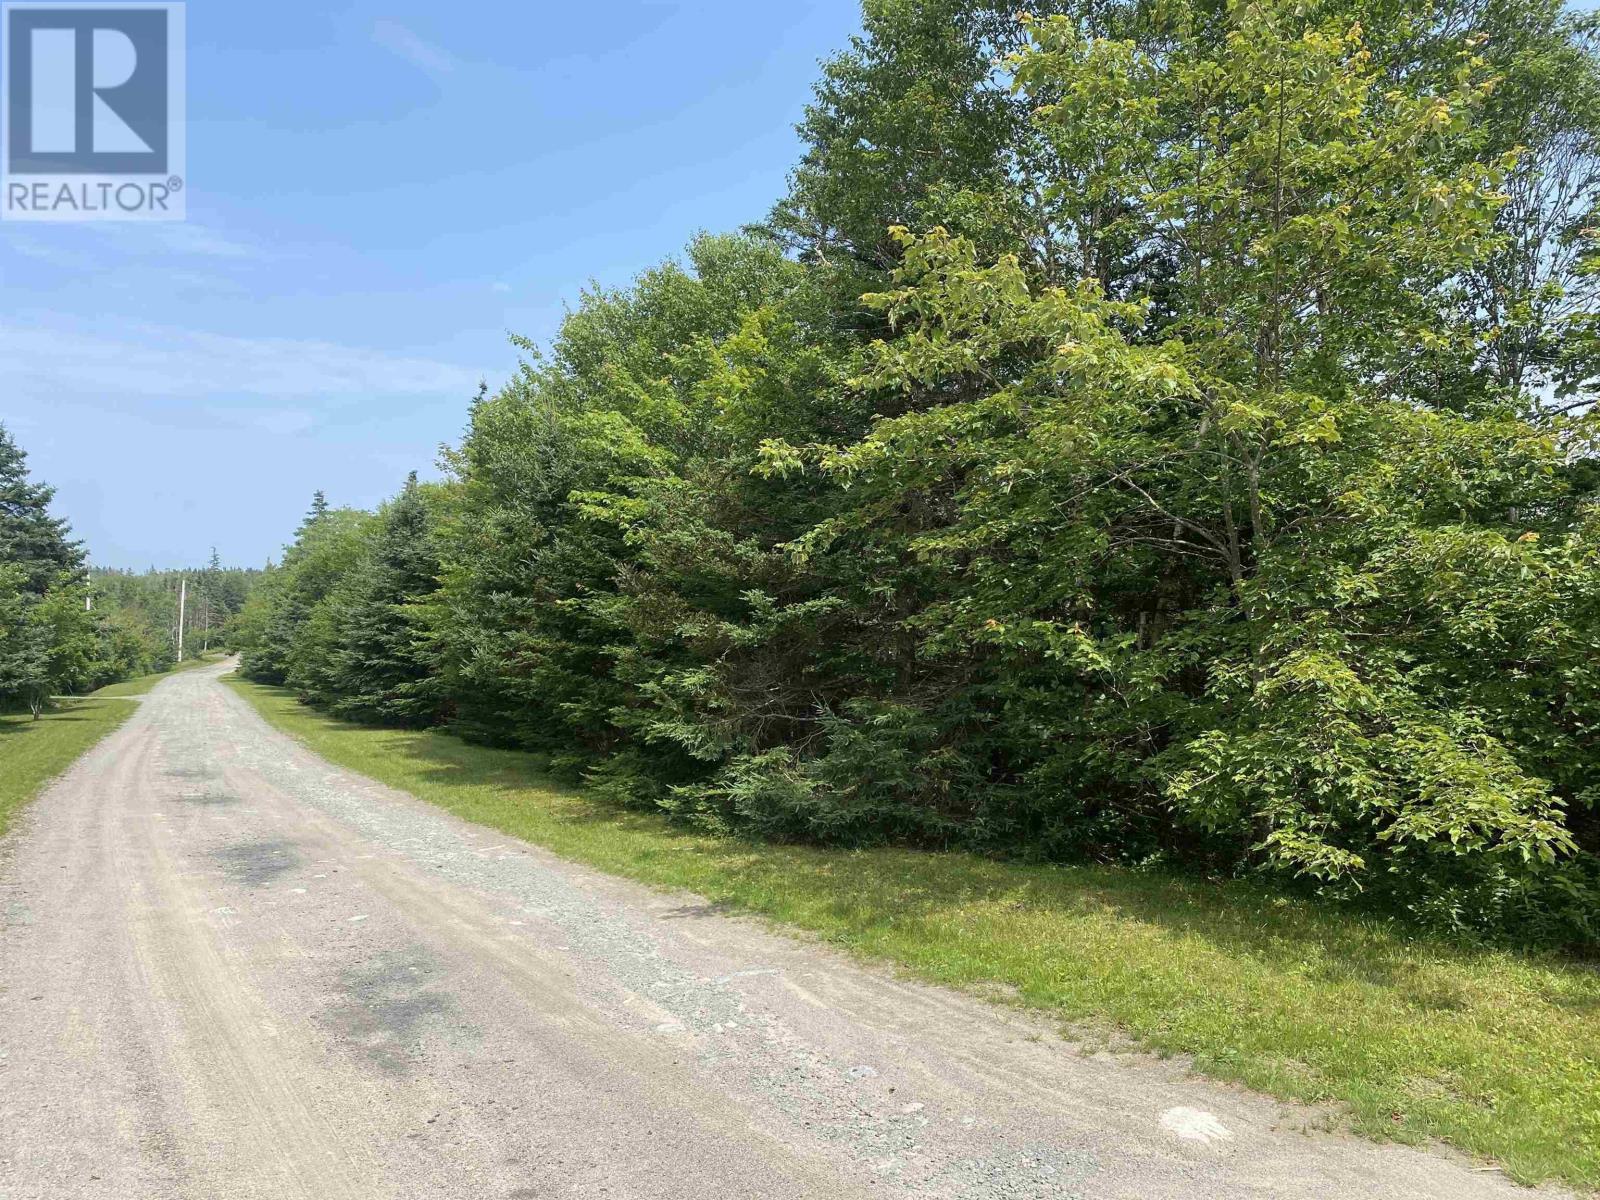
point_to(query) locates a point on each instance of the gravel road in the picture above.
(230, 969)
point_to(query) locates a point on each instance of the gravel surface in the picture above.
(230, 969)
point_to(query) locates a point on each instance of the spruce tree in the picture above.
(383, 666)
(29, 536)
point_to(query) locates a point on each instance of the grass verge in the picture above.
(1495, 1052)
(34, 752)
(141, 685)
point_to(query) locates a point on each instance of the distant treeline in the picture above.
(66, 628)
(1157, 434)
(147, 603)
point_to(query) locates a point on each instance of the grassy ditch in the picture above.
(1411, 1038)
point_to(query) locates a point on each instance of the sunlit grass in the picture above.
(1498, 1053)
(34, 752)
(141, 685)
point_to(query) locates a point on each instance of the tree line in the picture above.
(1156, 433)
(67, 628)
(152, 603)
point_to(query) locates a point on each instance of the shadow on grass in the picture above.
(1416, 1036)
(1284, 935)
(19, 722)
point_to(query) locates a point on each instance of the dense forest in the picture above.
(152, 602)
(66, 628)
(1154, 433)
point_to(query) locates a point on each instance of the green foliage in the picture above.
(275, 634)
(375, 624)
(31, 540)
(1490, 1050)
(24, 654)
(36, 750)
(43, 646)
(1144, 433)
(51, 643)
(141, 610)
(908, 122)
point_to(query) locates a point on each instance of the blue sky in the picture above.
(379, 193)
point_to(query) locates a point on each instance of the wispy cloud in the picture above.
(276, 422)
(39, 362)
(84, 246)
(422, 54)
(48, 251)
(182, 237)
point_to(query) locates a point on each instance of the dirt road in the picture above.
(229, 969)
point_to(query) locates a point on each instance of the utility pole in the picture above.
(183, 600)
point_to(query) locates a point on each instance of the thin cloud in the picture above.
(49, 252)
(277, 422)
(84, 246)
(40, 362)
(424, 55)
(182, 237)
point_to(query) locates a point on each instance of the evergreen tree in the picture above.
(1190, 483)
(272, 624)
(29, 536)
(24, 650)
(383, 668)
(48, 639)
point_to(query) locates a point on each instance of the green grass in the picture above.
(34, 752)
(141, 685)
(1406, 1038)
